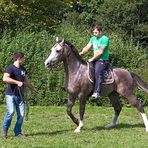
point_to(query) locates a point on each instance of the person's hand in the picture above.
(19, 84)
(81, 53)
(90, 60)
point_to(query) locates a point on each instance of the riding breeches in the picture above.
(99, 67)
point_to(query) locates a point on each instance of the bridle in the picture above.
(62, 46)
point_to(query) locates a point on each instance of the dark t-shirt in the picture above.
(16, 74)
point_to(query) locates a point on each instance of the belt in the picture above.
(103, 60)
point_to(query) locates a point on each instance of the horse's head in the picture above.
(58, 52)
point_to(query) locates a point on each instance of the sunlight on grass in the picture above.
(51, 127)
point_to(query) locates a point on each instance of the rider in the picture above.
(100, 44)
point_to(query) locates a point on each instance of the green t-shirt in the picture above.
(97, 43)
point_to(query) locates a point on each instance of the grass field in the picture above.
(51, 127)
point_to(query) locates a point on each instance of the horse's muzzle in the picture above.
(49, 64)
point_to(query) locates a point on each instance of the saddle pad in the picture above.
(108, 77)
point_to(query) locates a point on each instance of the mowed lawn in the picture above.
(51, 127)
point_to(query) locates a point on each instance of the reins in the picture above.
(25, 100)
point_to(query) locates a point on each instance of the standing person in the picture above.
(100, 44)
(15, 77)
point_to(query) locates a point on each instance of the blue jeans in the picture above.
(14, 102)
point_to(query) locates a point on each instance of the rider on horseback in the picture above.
(100, 44)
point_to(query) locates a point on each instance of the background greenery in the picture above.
(32, 25)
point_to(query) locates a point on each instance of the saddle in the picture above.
(108, 77)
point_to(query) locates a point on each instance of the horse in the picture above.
(79, 84)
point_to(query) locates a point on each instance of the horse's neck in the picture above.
(72, 67)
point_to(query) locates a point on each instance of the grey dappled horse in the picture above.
(79, 85)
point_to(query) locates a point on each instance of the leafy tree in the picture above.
(40, 14)
(128, 18)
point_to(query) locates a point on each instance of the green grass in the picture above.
(51, 127)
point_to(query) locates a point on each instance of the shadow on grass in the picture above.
(97, 128)
(48, 133)
(120, 126)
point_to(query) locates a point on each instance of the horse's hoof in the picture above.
(109, 126)
(77, 131)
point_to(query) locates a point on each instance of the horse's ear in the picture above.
(57, 39)
(62, 41)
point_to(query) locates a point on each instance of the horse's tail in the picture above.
(143, 85)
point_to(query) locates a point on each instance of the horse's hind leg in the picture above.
(70, 104)
(133, 101)
(114, 98)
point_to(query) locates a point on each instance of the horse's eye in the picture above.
(58, 50)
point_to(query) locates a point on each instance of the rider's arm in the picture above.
(97, 54)
(85, 49)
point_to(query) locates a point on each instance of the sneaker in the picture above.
(95, 95)
(20, 135)
(4, 132)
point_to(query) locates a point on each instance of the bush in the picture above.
(36, 46)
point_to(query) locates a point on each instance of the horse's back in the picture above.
(123, 80)
(120, 73)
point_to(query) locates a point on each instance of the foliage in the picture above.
(36, 46)
(39, 14)
(32, 25)
(124, 17)
(128, 18)
(122, 53)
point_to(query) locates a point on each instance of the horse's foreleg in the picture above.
(114, 98)
(70, 104)
(81, 112)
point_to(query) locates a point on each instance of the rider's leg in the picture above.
(99, 67)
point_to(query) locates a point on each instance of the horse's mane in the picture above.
(74, 50)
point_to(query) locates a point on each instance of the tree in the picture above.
(128, 18)
(41, 14)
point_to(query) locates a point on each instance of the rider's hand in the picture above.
(90, 60)
(81, 53)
